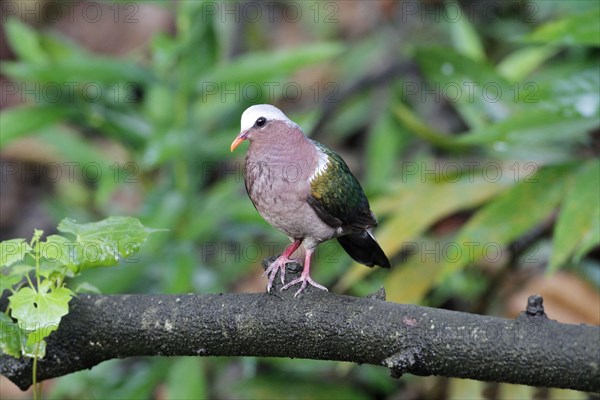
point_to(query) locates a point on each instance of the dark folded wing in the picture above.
(337, 197)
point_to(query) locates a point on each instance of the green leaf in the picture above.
(40, 310)
(386, 138)
(10, 337)
(86, 287)
(577, 94)
(418, 127)
(12, 251)
(534, 135)
(113, 229)
(79, 154)
(581, 29)
(520, 63)
(576, 229)
(186, 379)
(552, 123)
(34, 345)
(13, 276)
(7, 282)
(57, 251)
(72, 146)
(24, 42)
(528, 128)
(589, 241)
(96, 244)
(83, 73)
(76, 75)
(486, 235)
(479, 93)
(258, 66)
(464, 36)
(37, 236)
(20, 121)
(60, 47)
(354, 112)
(17, 342)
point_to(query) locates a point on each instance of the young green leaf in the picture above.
(42, 308)
(577, 222)
(12, 251)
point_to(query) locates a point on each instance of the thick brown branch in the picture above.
(530, 350)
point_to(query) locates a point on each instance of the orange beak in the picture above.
(241, 137)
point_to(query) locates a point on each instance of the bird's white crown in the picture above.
(268, 111)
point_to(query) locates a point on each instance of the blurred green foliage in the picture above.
(496, 126)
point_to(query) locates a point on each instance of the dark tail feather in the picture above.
(362, 247)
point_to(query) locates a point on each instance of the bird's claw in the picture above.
(277, 265)
(305, 279)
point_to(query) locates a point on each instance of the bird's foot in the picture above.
(304, 279)
(277, 266)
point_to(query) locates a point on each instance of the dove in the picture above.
(305, 190)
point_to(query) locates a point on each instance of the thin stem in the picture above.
(36, 394)
(30, 283)
(37, 262)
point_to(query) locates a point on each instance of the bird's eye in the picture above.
(261, 121)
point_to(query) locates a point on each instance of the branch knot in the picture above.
(535, 306)
(399, 363)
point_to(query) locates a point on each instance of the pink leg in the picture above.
(305, 277)
(279, 263)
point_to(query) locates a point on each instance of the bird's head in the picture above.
(263, 122)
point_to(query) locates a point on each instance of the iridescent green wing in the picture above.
(336, 195)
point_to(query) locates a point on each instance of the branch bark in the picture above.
(531, 349)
